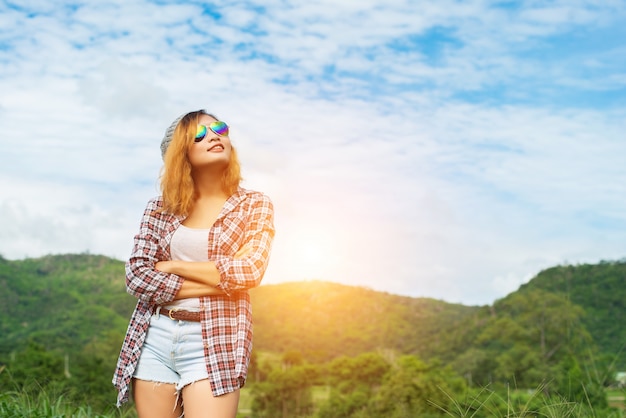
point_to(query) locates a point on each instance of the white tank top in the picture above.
(189, 244)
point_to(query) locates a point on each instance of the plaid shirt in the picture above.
(246, 218)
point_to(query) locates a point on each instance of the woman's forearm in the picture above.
(191, 289)
(203, 272)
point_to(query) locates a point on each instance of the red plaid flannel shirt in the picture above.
(246, 218)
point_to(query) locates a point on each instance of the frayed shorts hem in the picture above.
(179, 385)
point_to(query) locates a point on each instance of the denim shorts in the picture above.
(172, 352)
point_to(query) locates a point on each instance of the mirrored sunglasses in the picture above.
(219, 128)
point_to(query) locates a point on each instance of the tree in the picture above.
(34, 364)
(353, 382)
(576, 385)
(365, 369)
(413, 388)
(528, 336)
(286, 393)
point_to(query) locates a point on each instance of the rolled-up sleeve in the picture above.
(142, 279)
(247, 272)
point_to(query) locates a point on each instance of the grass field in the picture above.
(18, 405)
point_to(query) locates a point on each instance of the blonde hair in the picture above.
(177, 186)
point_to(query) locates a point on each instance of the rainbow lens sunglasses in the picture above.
(219, 128)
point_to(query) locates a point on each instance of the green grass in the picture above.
(44, 405)
(485, 403)
(527, 404)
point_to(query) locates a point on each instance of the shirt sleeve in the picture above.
(142, 279)
(247, 272)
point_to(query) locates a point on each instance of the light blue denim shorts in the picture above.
(172, 352)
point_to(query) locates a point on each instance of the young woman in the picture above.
(201, 245)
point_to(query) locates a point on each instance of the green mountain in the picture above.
(325, 320)
(601, 290)
(61, 301)
(66, 302)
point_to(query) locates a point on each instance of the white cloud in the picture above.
(376, 164)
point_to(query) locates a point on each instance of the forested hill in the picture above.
(601, 290)
(69, 302)
(324, 320)
(63, 302)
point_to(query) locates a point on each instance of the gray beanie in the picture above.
(169, 133)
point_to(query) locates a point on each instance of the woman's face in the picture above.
(211, 151)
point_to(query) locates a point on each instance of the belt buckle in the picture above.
(172, 311)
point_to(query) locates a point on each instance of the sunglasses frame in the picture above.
(202, 133)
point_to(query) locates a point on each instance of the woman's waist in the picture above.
(188, 304)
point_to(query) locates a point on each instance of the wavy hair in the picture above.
(177, 185)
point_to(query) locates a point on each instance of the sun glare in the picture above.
(310, 254)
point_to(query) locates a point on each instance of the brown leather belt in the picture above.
(181, 315)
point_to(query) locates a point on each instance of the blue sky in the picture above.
(441, 149)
